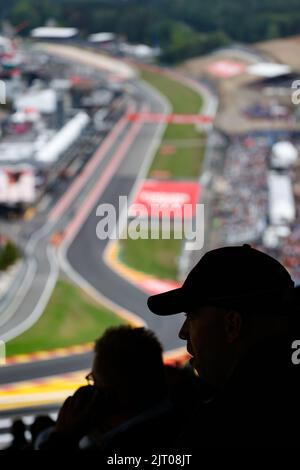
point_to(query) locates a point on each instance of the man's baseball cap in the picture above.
(234, 276)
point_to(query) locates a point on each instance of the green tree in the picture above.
(8, 255)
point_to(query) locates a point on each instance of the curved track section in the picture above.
(85, 253)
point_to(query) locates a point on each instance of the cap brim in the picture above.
(168, 303)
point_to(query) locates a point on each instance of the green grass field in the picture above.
(185, 162)
(70, 318)
(160, 257)
(182, 98)
(157, 257)
(182, 164)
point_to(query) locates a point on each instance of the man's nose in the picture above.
(183, 333)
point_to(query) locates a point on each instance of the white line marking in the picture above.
(42, 302)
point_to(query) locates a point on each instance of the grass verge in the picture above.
(156, 257)
(185, 162)
(70, 318)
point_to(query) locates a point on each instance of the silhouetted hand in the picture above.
(78, 413)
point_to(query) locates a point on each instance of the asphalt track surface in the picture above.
(85, 255)
(86, 252)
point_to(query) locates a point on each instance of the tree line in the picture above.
(182, 28)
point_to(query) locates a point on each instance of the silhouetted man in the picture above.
(19, 441)
(237, 302)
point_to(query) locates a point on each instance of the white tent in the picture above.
(141, 51)
(102, 37)
(284, 154)
(282, 209)
(15, 151)
(44, 101)
(273, 235)
(53, 32)
(62, 140)
(268, 69)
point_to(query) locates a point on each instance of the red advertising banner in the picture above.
(155, 196)
(226, 68)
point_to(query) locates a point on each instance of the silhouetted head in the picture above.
(40, 424)
(18, 428)
(233, 298)
(128, 362)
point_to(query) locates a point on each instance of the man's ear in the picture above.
(233, 325)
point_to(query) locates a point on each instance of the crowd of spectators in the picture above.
(267, 111)
(29, 439)
(242, 205)
(289, 250)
